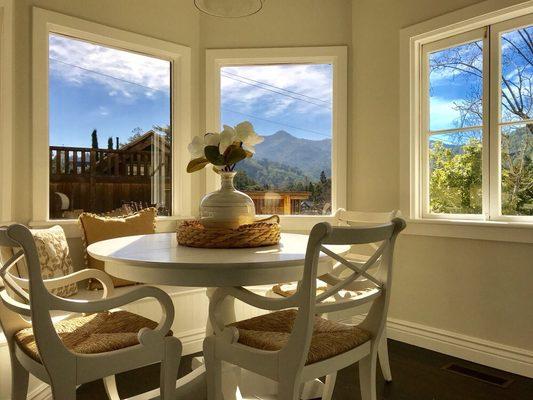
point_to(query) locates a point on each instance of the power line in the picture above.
(108, 76)
(273, 91)
(276, 87)
(227, 109)
(277, 123)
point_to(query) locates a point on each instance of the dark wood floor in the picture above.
(417, 375)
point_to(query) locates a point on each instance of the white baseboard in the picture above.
(496, 355)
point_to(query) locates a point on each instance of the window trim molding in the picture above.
(411, 40)
(44, 22)
(6, 110)
(338, 57)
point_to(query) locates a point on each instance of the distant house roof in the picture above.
(144, 141)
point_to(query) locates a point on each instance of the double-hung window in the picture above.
(476, 124)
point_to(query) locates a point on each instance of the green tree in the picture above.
(94, 139)
(110, 143)
(455, 177)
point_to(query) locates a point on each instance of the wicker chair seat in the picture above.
(95, 333)
(272, 331)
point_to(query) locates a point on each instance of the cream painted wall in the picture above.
(172, 20)
(477, 288)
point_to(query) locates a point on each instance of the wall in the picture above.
(468, 287)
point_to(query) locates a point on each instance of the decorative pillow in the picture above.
(54, 257)
(96, 228)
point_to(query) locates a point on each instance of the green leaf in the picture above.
(212, 153)
(234, 155)
(197, 164)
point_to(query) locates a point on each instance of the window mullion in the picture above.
(494, 130)
(486, 138)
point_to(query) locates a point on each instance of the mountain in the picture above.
(310, 156)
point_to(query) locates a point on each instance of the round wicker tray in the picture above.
(264, 232)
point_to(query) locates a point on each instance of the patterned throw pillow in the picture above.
(54, 257)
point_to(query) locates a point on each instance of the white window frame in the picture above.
(46, 22)
(411, 41)
(335, 55)
(6, 110)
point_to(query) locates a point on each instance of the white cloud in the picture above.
(80, 62)
(305, 88)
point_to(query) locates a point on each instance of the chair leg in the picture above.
(110, 385)
(383, 355)
(213, 367)
(367, 376)
(19, 379)
(63, 386)
(329, 385)
(169, 367)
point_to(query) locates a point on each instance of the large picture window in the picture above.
(111, 121)
(109, 130)
(297, 105)
(477, 124)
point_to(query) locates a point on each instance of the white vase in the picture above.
(226, 207)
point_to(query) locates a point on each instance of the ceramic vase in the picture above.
(226, 207)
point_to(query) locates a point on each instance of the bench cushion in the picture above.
(272, 331)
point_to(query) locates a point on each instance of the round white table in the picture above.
(158, 259)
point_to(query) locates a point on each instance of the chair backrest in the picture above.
(310, 304)
(37, 300)
(354, 218)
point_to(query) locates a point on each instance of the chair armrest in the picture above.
(88, 273)
(14, 305)
(248, 297)
(146, 336)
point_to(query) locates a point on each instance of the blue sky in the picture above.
(296, 98)
(113, 91)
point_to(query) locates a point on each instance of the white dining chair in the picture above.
(358, 255)
(98, 344)
(292, 345)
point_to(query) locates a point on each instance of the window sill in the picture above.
(72, 229)
(500, 231)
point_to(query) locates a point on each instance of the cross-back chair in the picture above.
(78, 350)
(293, 345)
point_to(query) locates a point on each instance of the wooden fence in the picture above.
(100, 180)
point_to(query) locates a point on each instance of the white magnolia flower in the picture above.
(227, 137)
(212, 139)
(245, 133)
(196, 147)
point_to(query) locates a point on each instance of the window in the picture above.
(292, 102)
(477, 124)
(111, 120)
(109, 130)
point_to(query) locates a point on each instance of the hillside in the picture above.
(310, 156)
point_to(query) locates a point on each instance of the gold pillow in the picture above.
(54, 257)
(96, 228)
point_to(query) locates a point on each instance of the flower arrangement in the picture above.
(225, 149)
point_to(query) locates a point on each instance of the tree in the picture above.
(516, 103)
(110, 143)
(117, 143)
(94, 139)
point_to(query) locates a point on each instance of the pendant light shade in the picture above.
(229, 8)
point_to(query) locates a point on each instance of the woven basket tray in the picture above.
(264, 232)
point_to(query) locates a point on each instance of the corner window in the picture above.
(476, 141)
(292, 102)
